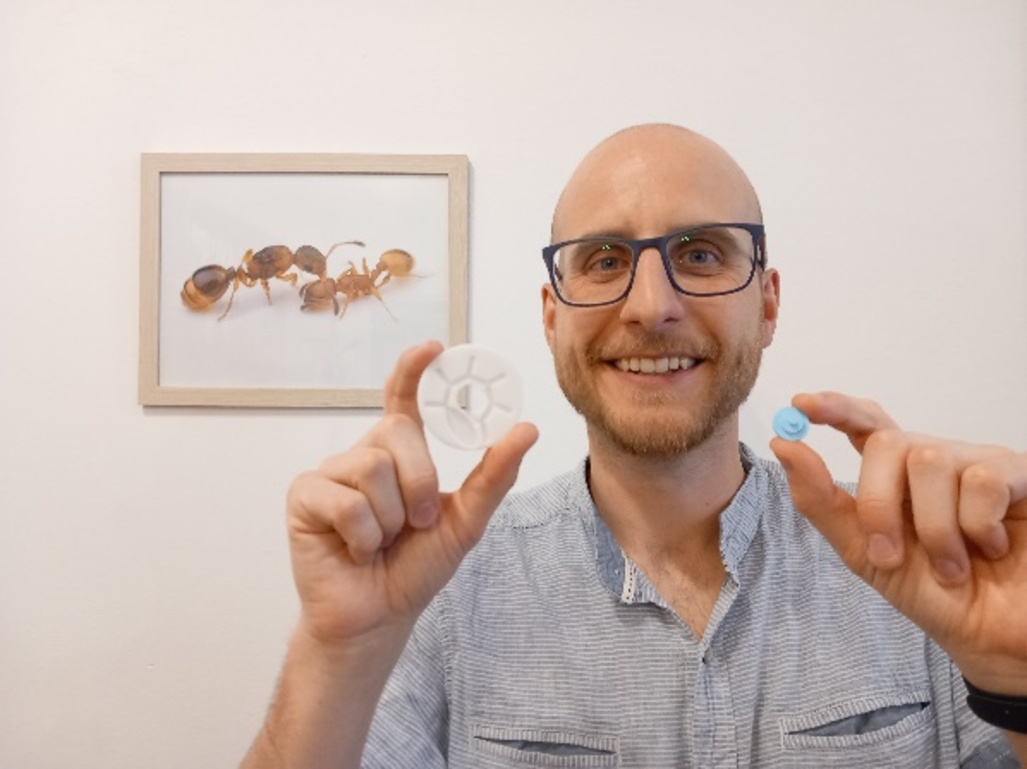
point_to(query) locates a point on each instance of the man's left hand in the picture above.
(937, 527)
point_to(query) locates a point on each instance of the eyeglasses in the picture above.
(709, 260)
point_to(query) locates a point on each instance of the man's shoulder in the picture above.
(565, 495)
(535, 529)
(774, 492)
(763, 514)
(538, 538)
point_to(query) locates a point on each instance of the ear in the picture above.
(770, 285)
(549, 302)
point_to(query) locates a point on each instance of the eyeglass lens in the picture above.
(709, 260)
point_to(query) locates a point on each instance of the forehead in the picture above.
(649, 181)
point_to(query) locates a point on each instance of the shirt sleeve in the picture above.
(411, 724)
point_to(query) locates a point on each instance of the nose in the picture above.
(652, 300)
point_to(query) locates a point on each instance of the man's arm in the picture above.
(324, 704)
(372, 541)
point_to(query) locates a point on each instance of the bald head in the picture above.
(639, 177)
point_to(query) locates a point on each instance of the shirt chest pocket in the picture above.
(505, 746)
(875, 730)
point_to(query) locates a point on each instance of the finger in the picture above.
(371, 471)
(827, 506)
(418, 481)
(858, 418)
(988, 492)
(881, 497)
(323, 511)
(934, 497)
(490, 480)
(401, 386)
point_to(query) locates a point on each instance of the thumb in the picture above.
(490, 480)
(830, 509)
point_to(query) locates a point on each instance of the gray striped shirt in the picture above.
(550, 648)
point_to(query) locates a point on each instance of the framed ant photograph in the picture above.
(295, 280)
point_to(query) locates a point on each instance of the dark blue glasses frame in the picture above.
(637, 246)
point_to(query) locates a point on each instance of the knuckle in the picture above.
(876, 511)
(984, 483)
(351, 517)
(887, 440)
(934, 533)
(869, 404)
(396, 422)
(929, 458)
(423, 482)
(979, 529)
(875, 413)
(298, 493)
(376, 465)
(356, 524)
(389, 421)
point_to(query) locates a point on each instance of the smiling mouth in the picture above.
(654, 365)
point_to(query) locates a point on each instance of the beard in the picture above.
(657, 424)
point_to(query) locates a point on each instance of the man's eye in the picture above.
(689, 254)
(698, 256)
(606, 263)
(607, 258)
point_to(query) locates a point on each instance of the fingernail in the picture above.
(882, 550)
(424, 515)
(949, 570)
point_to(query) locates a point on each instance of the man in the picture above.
(663, 605)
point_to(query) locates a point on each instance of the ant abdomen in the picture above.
(206, 286)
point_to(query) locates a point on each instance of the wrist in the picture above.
(1008, 712)
(331, 649)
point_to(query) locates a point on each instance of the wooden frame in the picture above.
(281, 342)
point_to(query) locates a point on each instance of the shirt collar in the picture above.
(738, 525)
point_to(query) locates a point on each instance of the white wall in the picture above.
(145, 596)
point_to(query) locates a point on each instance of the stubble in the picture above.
(657, 424)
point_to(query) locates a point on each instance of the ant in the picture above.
(209, 283)
(353, 283)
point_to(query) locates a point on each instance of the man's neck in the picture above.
(665, 514)
(672, 498)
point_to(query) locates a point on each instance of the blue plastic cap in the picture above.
(791, 424)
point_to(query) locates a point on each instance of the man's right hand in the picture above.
(372, 538)
(372, 541)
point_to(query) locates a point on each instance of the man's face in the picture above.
(659, 372)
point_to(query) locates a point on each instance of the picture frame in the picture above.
(295, 280)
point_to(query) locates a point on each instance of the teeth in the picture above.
(654, 365)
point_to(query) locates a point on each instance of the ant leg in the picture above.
(240, 276)
(288, 277)
(375, 292)
(231, 297)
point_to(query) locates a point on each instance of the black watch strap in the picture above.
(1009, 713)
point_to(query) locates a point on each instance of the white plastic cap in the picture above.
(469, 397)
